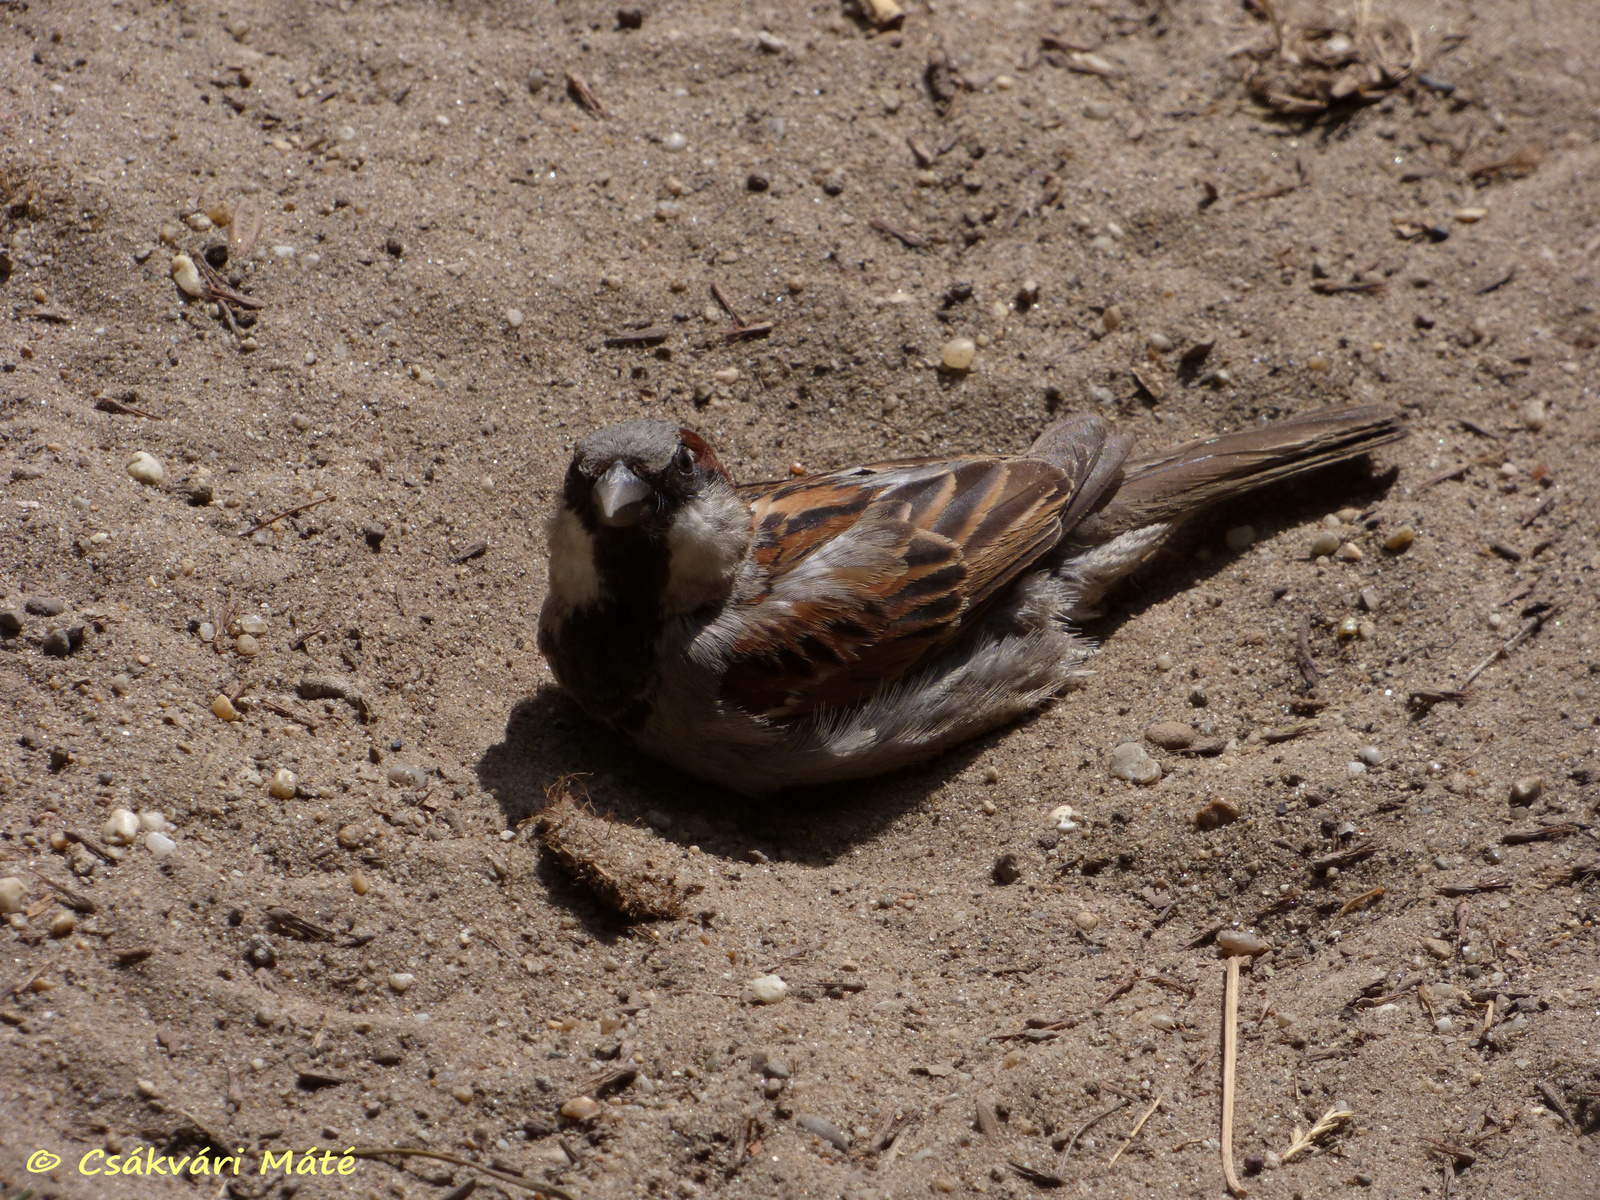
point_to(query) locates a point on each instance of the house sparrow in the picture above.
(839, 625)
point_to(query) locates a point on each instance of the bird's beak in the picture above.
(622, 498)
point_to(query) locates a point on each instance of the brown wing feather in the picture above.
(871, 570)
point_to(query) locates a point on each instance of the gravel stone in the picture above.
(1169, 735)
(1131, 762)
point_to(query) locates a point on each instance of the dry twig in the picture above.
(1230, 1063)
(1137, 1126)
(288, 512)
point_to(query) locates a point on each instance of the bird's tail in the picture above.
(1167, 488)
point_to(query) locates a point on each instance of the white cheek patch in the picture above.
(574, 582)
(706, 543)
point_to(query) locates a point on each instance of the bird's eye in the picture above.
(683, 461)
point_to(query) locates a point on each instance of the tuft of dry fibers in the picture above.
(615, 863)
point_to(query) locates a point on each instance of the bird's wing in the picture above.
(868, 571)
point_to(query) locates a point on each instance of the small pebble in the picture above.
(1350, 552)
(1235, 942)
(1325, 543)
(283, 784)
(1468, 216)
(146, 469)
(958, 354)
(224, 710)
(1216, 814)
(1240, 538)
(581, 1108)
(674, 143)
(57, 642)
(62, 924)
(1348, 628)
(1130, 761)
(186, 275)
(1533, 415)
(401, 981)
(1370, 599)
(405, 775)
(152, 821)
(1085, 920)
(252, 623)
(1438, 947)
(1065, 818)
(1007, 869)
(359, 884)
(247, 646)
(10, 622)
(514, 318)
(1164, 1020)
(159, 844)
(12, 894)
(1371, 755)
(1399, 539)
(121, 827)
(1526, 789)
(1165, 662)
(767, 989)
(1161, 343)
(1169, 735)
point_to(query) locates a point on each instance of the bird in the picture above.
(840, 625)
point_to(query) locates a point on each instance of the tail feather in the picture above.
(1168, 487)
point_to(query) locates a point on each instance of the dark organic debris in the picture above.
(609, 860)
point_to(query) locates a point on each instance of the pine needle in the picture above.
(1328, 1124)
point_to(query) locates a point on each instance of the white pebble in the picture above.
(1350, 552)
(768, 989)
(283, 784)
(1371, 755)
(958, 353)
(146, 469)
(159, 844)
(405, 775)
(186, 275)
(121, 827)
(1533, 414)
(252, 623)
(514, 318)
(1130, 761)
(674, 143)
(401, 981)
(12, 894)
(152, 821)
(1066, 818)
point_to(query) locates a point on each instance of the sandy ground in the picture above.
(425, 241)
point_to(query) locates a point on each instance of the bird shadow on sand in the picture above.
(547, 738)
